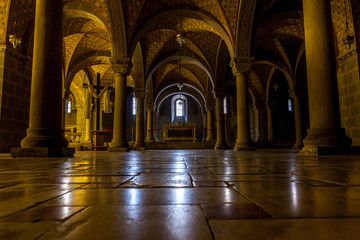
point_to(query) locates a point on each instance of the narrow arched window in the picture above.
(179, 109)
(134, 105)
(225, 106)
(68, 106)
(290, 105)
(179, 104)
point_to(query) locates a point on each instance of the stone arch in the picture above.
(117, 29)
(83, 10)
(175, 93)
(173, 85)
(244, 27)
(179, 57)
(185, 13)
(287, 77)
(95, 58)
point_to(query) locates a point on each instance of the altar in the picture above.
(179, 132)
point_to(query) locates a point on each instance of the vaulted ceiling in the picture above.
(90, 33)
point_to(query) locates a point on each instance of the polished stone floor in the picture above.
(180, 194)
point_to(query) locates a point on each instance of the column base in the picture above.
(210, 140)
(41, 152)
(222, 146)
(327, 137)
(325, 150)
(244, 148)
(149, 141)
(143, 148)
(297, 146)
(326, 142)
(119, 149)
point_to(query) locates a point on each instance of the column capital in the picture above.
(149, 107)
(121, 66)
(293, 95)
(241, 65)
(269, 105)
(66, 94)
(219, 92)
(140, 93)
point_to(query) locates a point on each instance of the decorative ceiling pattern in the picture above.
(140, 12)
(22, 13)
(100, 6)
(278, 34)
(3, 22)
(339, 22)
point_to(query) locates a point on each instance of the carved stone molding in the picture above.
(140, 93)
(121, 66)
(241, 65)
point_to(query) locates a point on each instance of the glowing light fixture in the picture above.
(85, 85)
(181, 40)
(14, 40)
(348, 37)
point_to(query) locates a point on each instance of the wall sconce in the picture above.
(14, 40)
(348, 37)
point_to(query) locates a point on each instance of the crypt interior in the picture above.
(168, 119)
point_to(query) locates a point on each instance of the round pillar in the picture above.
(270, 123)
(243, 123)
(45, 119)
(325, 134)
(220, 123)
(210, 125)
(298, 121)
(149, 129)
(140, 141)
(119, 143)
(241, 65)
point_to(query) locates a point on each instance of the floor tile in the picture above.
(135, 222)
(141, 196)
(290, 200)
(294, 229)
(160, 180)
(43, 213)
(25, 231)
(232, 211)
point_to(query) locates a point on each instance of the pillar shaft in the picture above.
(150, 130)
(298, 123)
(204, 128)
(242, 103)
(140, 141)
(270, 123)
(209, 125)
(220, 126)
(87, 130)
(119, 142)
(325, 125)
(45, 119)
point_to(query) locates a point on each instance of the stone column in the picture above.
(121, 69)
(150, 118)
(45, 136)
(269, 121)
(204, 128)
(298, 121)
(220, 126)
(139, 140)
(210, 124)
(87, 131)
(325, 135)
(239, 67)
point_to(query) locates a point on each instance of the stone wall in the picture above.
(349, 95)
(164, 116)
(15, 82)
